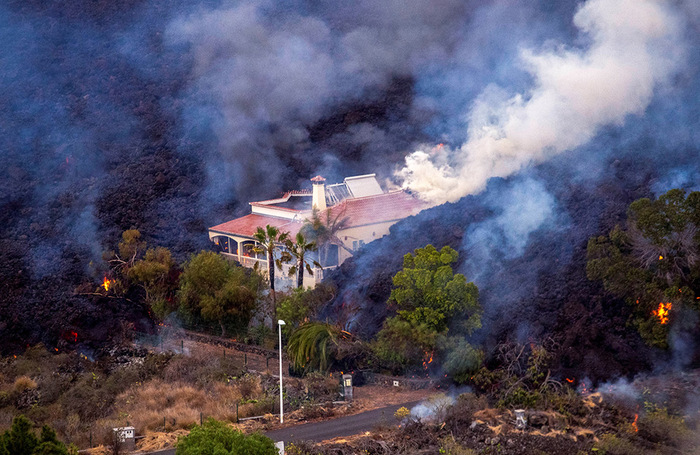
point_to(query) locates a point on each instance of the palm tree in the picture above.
(297, 251)
(324, 229)
(268, 238)
(313, 346)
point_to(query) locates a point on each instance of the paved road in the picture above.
(334, 428)
(342, 426)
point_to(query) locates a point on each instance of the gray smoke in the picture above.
(264, 75)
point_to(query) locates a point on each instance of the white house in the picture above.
(366, 210)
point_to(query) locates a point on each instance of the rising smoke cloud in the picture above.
(264, 75)
(632, 47)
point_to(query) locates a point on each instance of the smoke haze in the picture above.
(631, 47)
(170, 115)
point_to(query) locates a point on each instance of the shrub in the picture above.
(215, 437)
(24, 383)
(301, 448)
(462, 360)
(660, 427)
(402, 413)
(321, 387)
(460, 415)
(609, 444)
(249, 387)
(521, 398)
(449, 446)
(401, 344)
(310, 412)
(567, 402)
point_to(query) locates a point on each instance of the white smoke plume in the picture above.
(631, 47)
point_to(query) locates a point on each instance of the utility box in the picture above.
(520, 419)
(347, 387)
(126, 438)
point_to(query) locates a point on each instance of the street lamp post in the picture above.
(280, 323)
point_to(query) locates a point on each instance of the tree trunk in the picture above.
(271, 272)
(223, 328)
(300, 273)
(271, 269)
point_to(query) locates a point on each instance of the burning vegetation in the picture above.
(662, 312)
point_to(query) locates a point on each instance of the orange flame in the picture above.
(634, 424)
(106, 284)
(570, 381)
(428, 361)
(662, 312)
(661, 258)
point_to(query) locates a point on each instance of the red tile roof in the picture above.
(360, 211)
(247, 225)
(379, 208)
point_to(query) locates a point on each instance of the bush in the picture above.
(24, 383)
(521, 398)
(301, 448)
(660, 427)
(320, 387)
(215, 437)
(609, 444)
(460, 415)
(461, 360)
(567, 402)
(449, 446)
(249, 386)
(402, 413)
(401, 345)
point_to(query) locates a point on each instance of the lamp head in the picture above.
(281, 322)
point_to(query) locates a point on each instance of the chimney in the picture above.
(318, 200)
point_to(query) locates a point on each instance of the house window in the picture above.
(247, 251)
(223, 243)
(331, 258)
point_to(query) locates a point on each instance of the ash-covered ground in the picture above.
(168, 116)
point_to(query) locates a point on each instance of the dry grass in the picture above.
(159, 440)
(179, 405)
(24, 383)
(99, 450)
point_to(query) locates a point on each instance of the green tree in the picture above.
(302, 305)
(217, 438)
(268, 239)
(428, 292)
(128, 250)
(401, 344)
(20, 439)
(654, 262)
(49, 443)
(214, 289)
(429, 298)
(297, 251)
(156, 273)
